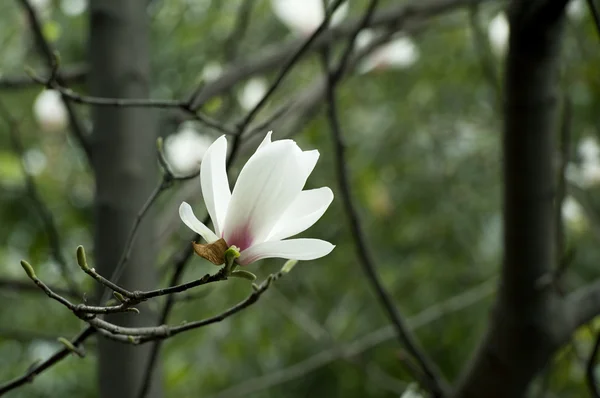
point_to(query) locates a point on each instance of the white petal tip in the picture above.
(189, 218)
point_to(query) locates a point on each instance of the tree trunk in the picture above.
(124, 163)
(524, 329)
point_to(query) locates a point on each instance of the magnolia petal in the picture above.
(215, 185)
(266, 187)
(305, 210)
(292, 249)
(189, 218)
(309, 161)
(266, 141)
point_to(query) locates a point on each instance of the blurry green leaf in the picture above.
(51, 30)
(10, 169)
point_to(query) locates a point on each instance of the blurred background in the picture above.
(420, 117)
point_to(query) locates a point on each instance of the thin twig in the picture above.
(187, 252)
(40, 367)
(49, 56)
(435, 380)
(399, 14)
(71, 73)
(129, 298)
(146, 334)
(42, 209)
(180, 263)
(132, 102)
(160, 188)
(323, 358)
(286, 68)
(232, 43)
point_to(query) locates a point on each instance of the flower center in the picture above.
(241, 238)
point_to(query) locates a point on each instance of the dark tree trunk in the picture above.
(124, 164)
(525, 326)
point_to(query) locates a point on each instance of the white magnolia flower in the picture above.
(73, 8)
(412, 392)
(41, 5)
(399, 53)
(572, 212)
(587, 173)
(252, 93)
(498, 32)
(184, 150)
(212, 71)
(50, 111)
(589, 149)
(576, 9)
(267, 204)
(305, 16)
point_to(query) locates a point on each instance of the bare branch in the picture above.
(434, 380)
(120, 267)
(323, 358)
(69, 74)
(50, 58)
(179, 262)
(133, 103)
(40, 206)
(40, 367)
(401, 17)
(397, 16)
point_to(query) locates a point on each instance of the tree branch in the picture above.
(49, 56)
(397, 16)
(40, 206)
(354, 348)
(69, 74)
(38, 368)
(434, 380)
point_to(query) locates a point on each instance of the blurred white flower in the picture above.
(34, 161)
(252, 92)
(50, 112)
(498, 32)
(184, 149)
(588, 149)
(211, 71)
(576, 9)
(412, 392)
(572, 212)
(267, 205)
(588, 171)
(305, 16)
(399, 53)
(73, 8)
(41, 5)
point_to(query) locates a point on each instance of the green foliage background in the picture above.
(424, 156)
